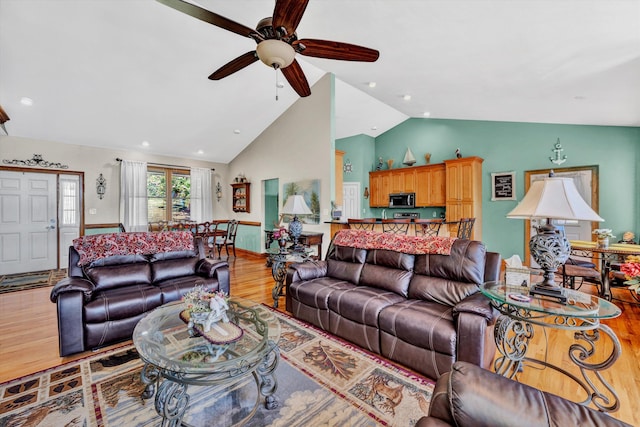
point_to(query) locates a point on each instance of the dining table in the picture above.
(614, 252)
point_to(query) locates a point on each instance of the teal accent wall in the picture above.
(360, 150)
(248, 238)
(510, 146)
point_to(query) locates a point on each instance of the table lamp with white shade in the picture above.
(552, 198)
(295, 205)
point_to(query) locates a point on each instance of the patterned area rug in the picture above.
(34, 279)
(322, 381)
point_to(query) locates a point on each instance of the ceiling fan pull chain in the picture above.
(276, 73)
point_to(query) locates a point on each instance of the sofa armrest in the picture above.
(479, 305)
(306, 271)
(215, 269)
(72, 284)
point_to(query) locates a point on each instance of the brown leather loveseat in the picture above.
(115, 279)
(413, 300)
(469, 396)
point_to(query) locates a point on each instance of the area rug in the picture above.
(34, 279)
(322, 381)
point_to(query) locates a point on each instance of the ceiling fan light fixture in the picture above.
(276, 53)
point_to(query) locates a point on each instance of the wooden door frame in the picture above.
(57, 172)
(595, 193)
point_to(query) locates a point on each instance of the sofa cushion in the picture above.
(172, 268)
(437, 289)
(424, 324)
(114, 276)
(362, 304)
(465, 263)
(345, 263)
(122, 303)
(388, 270)
(174, 289)
(315, 293)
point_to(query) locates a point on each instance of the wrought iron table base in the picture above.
(513, 334)
(172, 398)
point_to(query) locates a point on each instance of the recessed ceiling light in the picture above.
(145, 143)
(236, 131)
(374, 127)
(26, 101)
(407, 97)
(426, 114)
(372, 84)
(200, 152)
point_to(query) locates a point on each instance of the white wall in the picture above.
(299, 145)
(94, 161)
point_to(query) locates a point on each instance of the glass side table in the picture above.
(174, 359)
(582, 314)
(279, 258)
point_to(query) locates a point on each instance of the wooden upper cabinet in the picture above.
(430, 185)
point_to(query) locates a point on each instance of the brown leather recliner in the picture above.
(101, 303)
(424, 311)
(474, 397)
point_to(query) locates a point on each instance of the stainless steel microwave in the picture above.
(402, 200)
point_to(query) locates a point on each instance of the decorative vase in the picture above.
(390, 163)
(602, 242)
(427, 158)
(283, 244)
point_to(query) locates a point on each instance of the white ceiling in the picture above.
(115, 73)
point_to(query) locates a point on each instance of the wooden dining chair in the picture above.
(396, 226)
(228, 239)
(427, 227)
(465, 226)
(361, 224)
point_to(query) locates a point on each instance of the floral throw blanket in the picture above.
(365, 239)
(100, 246)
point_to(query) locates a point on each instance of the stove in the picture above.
(412, 215)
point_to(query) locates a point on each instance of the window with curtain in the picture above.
(168, 194)
(70, 197)
(201, 199)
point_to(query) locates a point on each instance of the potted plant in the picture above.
(631, 270)
(602, 237)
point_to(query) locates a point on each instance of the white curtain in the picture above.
(201, 199)
(133, 195)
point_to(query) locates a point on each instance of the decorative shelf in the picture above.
(241, 197)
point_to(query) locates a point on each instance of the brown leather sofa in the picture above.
(424, 311)
(100, 303)
(474, 397)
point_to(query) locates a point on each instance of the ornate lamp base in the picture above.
(550, 250)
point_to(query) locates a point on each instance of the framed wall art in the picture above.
(503, 186)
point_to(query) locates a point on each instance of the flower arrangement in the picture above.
(601, 233)
(631, 270)
(198, 300)
(280, 234)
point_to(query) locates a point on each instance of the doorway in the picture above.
(586, 181)
(270, 203)
(40, 214)
(351, 201)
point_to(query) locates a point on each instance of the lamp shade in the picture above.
(556, 198)
(275, 53)
(296, 205)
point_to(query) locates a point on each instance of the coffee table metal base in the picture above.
(172, 397)
(514, 330)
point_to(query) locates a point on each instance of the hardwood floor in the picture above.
(29, 339)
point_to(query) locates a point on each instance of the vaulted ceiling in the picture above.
(116, 73)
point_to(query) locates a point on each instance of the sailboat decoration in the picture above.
(409, 158)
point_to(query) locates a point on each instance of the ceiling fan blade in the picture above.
(335, 50)
(288, 14)
(235, 65)
(208, 16)
(295, 76)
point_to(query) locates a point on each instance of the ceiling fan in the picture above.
(277, 42)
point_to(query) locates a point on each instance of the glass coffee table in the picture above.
(175, 358)
(582, 315)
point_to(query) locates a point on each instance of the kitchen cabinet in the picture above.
(464, 191)
(380, 187)
(430, 185)
(241, 197)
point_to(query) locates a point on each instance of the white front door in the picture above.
(28, 229)
(350, 200)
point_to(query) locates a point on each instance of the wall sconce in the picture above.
(366, 192)
(101, 186)
(218, 191)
